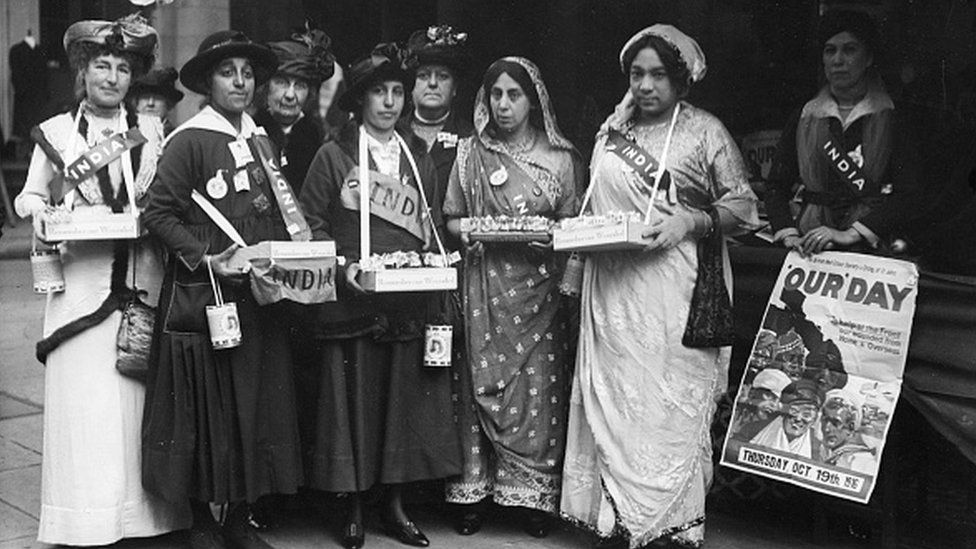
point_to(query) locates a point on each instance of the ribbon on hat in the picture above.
(308, 52)
(131, 33)
(388, 52)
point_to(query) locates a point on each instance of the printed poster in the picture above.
(820, 387)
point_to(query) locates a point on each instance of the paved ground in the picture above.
(21, 404)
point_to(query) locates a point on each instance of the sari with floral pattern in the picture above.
(512, 388)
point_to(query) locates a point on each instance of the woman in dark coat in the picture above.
(382, 418)
(220, 425)
(847, 148)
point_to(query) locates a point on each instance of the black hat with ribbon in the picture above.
(158, 81)
(439, 45)
(306, 55)
(385, 62)
(219, 46)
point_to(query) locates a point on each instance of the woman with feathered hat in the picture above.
(304, 62)
(91, 490)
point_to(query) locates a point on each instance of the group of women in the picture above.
(614, 438)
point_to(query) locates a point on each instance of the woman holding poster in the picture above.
(844, 148)
(638, 458)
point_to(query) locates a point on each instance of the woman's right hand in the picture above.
(470, 246)
(39, 218)
(352, 274)
(220, 263)
(793, 242)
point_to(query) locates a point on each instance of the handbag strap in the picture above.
(218, 218)
(218, 295)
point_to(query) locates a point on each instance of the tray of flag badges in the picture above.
(503, 228)
(600, 233)
(407, 272)
(90, 224)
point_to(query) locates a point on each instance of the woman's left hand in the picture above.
(824, 238)
(666, 232)
(541, 245)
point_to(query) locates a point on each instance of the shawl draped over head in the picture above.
(687, 48)
(131, 33)
(482, 112)
(482, 116)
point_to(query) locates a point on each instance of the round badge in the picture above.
(217, 187)
(498, 177)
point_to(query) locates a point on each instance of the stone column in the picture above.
(182, 25)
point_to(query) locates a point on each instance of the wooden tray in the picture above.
(283, 249)
(95, 226)
(601, 238)
(510, 236)
(411, 279)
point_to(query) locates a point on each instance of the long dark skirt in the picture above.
(221, 426)
(381, 417)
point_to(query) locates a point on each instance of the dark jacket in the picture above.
(443, 153)
(889, 164)
(296, 149)
(392, 316)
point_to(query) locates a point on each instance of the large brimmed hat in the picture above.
(306, 55)
(130, 34)
(385, 62)
(438, 45)
(221, 45)
(158, 81)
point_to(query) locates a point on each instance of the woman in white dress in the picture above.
(91, 489)
(638, 453)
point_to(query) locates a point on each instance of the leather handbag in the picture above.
(710, 314)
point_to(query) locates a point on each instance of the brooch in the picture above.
(498, 177)
(216, 186)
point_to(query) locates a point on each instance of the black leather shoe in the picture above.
(240, 535)
(613, 542)
(469, 523)
(538, 524)
(207, 537)
(262, 519)
(353, 535)
(406, 532)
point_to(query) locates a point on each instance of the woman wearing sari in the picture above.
(638, 454)
(513, 388)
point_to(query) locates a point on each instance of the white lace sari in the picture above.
(638, 458)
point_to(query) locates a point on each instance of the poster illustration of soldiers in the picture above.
(825, 372)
